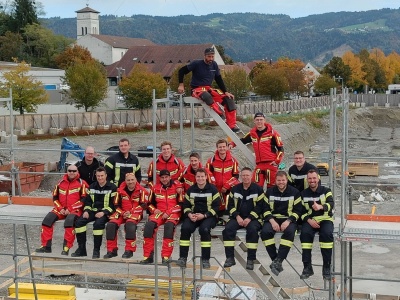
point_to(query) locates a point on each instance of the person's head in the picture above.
(313, 179)
(259, 120)
(246, 174)
(130, 180)
(201, 177)
(209, 55)
(89, 154)
(281, 180)
(222, 146)
(124, 145)
(101, 175)
(72, 172)
(166, 149)
(165, 177)
(194, 160)
(299, 159)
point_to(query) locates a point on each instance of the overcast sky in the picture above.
(293, 8)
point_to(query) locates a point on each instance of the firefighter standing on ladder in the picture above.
(203, 74)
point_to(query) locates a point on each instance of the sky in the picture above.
(293, 8)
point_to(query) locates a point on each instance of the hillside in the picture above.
(252, 36)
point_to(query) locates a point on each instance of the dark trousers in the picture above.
(98, 229)
(188, 227)
(325, 240)
(229, 235)
(267, 236)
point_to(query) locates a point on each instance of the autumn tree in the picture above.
(27, 92)
(357, 78)
(271, 82)
(137, 88)
(71, 55)
(323, 84)
(88, 84)
(236, 81)
(309, 80)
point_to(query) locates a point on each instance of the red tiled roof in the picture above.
(122, 42)
(161, 59)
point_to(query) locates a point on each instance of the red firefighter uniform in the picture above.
(188, 177)
(129, 204)
(174, 165)
(219, 99)
(268, 148)
(67, 195)
(225, 172)
(167, 199)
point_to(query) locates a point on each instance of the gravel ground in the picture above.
(373, 132)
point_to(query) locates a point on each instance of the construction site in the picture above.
(356, 152)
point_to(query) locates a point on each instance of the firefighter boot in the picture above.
(307, 271)
(276, 266)
(81, 239)
(326, 272)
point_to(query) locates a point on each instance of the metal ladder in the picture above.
(239, 145)
(261, 274)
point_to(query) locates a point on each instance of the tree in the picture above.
(323, 84)
(236, 81)
(357, 78)
(138, 87)
(41, 46)
(88, 84)
(23, 13)
(71, 55)
(271, 82)
(27, 92)
(226, 58)
(10, 46)
(309, 78)
(336, 68)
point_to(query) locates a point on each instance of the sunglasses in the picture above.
(73, 171)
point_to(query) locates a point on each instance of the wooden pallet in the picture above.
(145, 289)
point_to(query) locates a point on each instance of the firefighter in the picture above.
(88, 165)
(68, 197)
(268, 149)
(99, 205)
(200, 208)
(188, 176)
(318, 205)
(121, 163)
(298, 172)
(165, 209)
(203, 74)
(244, 207)
(225, 169)
(132, 199)
(166, 161)
(282, 209)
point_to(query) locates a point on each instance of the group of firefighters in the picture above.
(197, 196)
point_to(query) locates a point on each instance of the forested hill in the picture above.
(252, 36)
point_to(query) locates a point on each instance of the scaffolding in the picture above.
(350, 227)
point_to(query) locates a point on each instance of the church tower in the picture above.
(87, 22)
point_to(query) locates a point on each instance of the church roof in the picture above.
(87, 9)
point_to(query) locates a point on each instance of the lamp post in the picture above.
(339, 78)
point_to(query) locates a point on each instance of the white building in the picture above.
(107, 49)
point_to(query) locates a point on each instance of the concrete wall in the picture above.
(98, 48)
